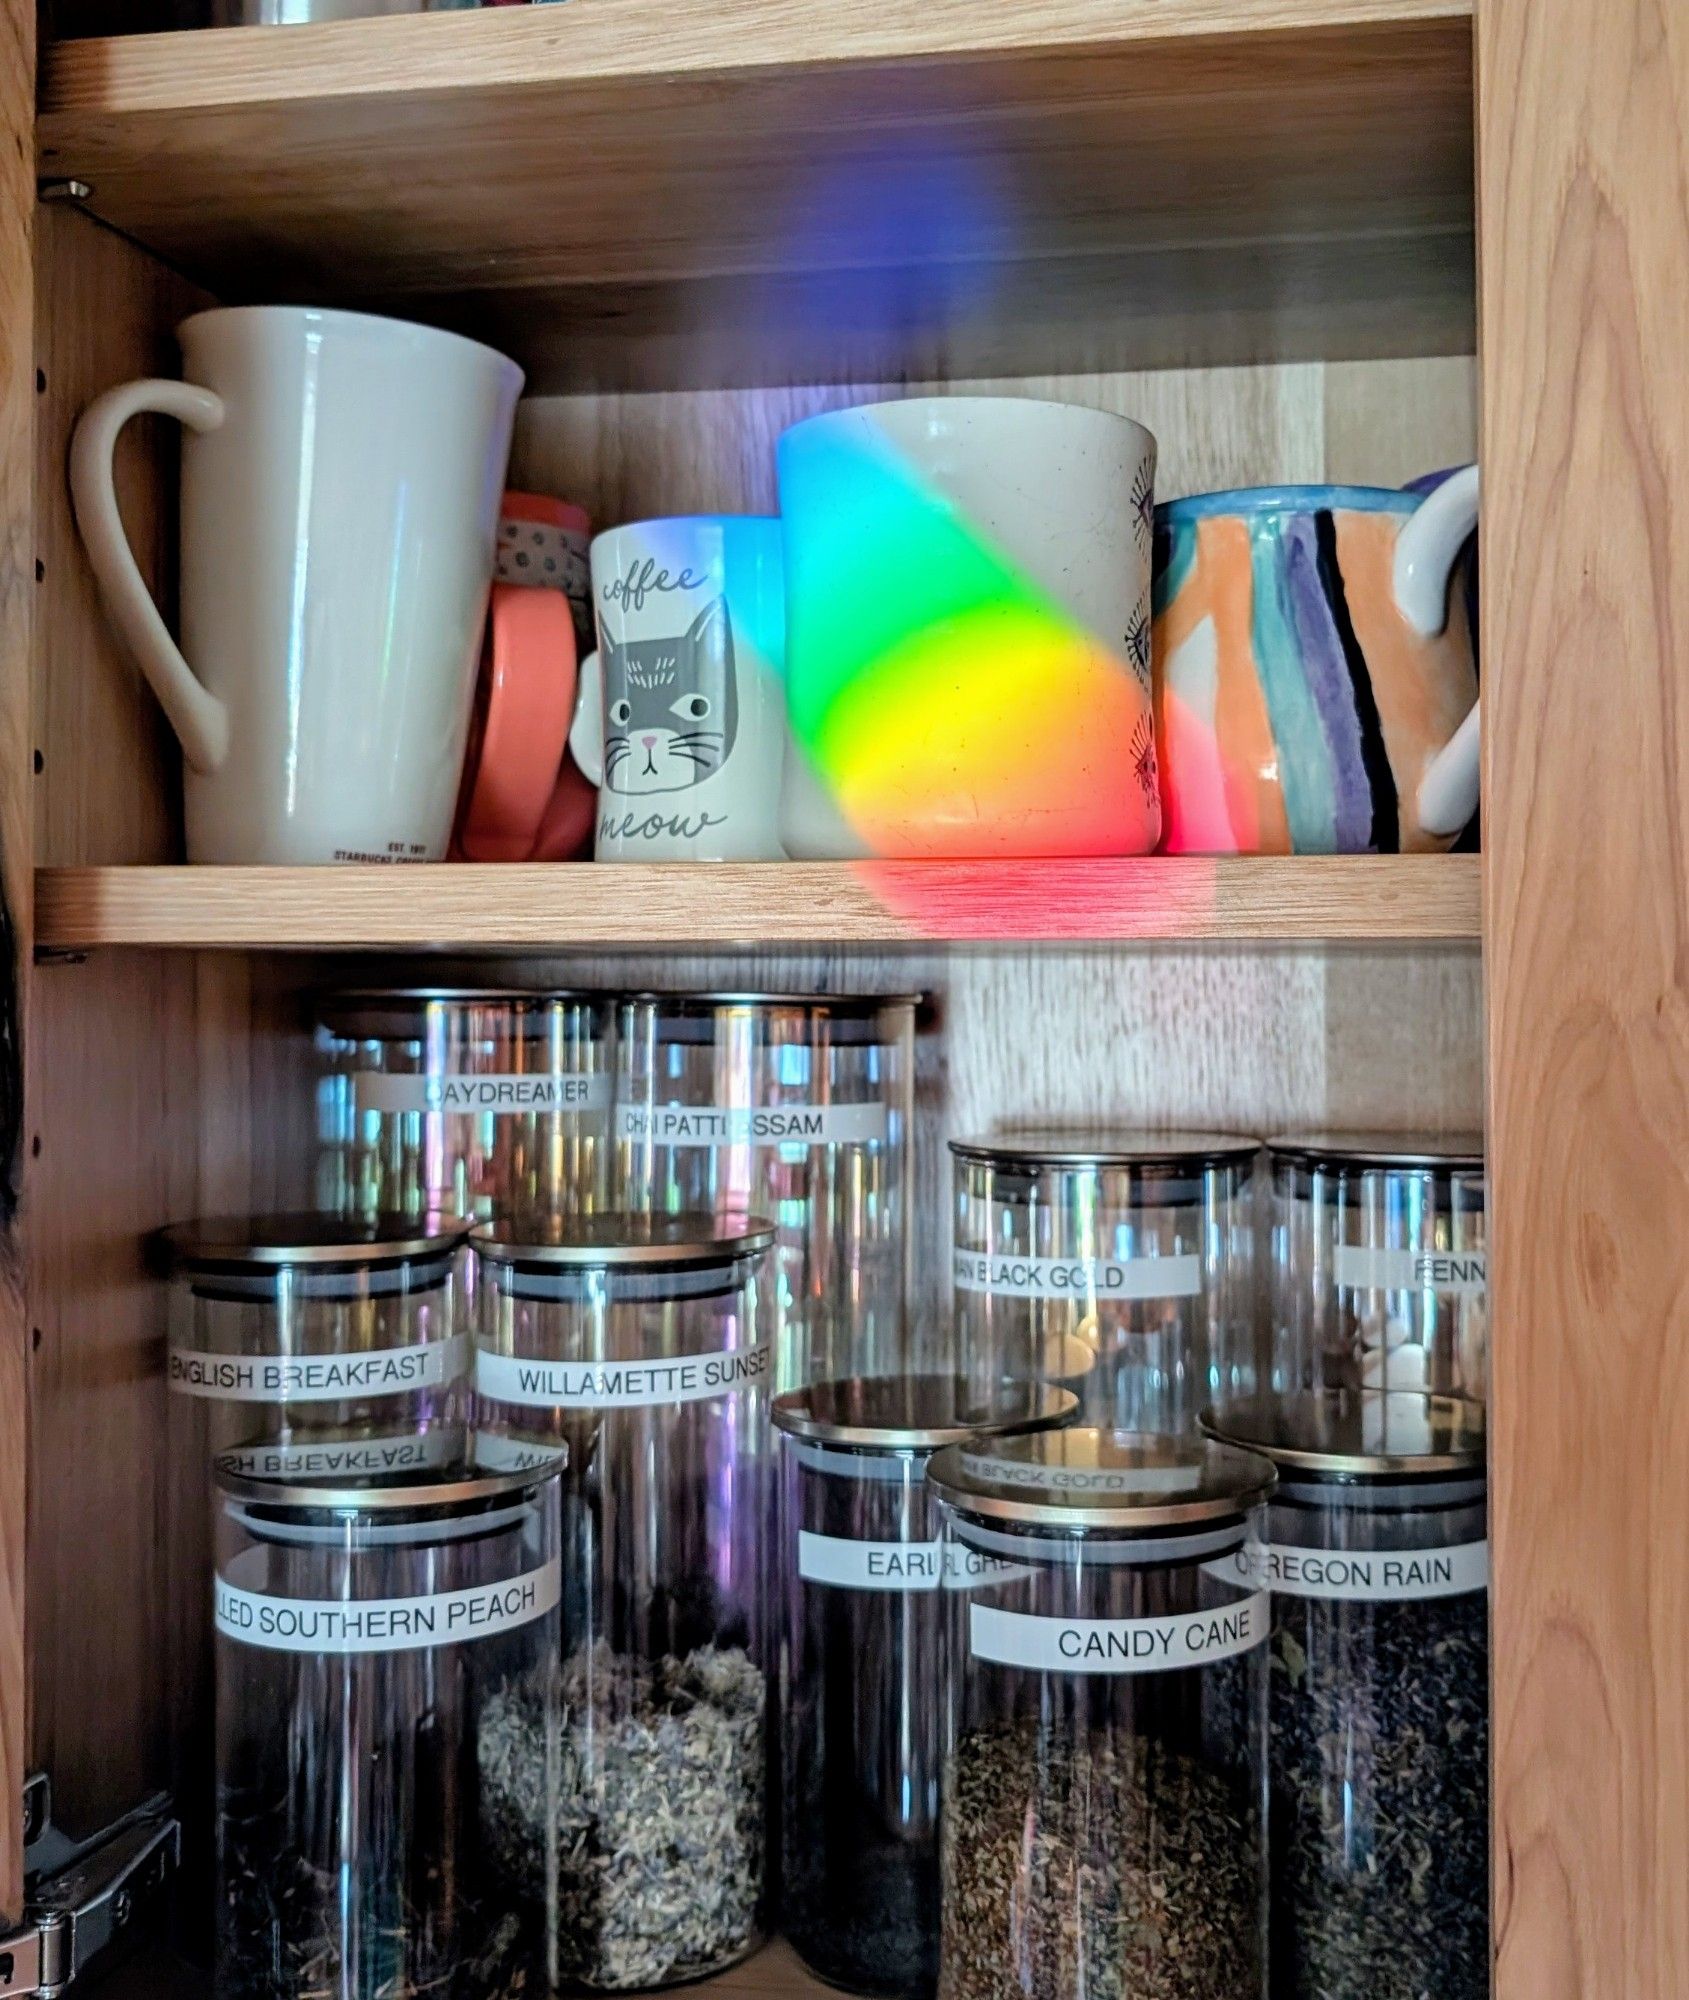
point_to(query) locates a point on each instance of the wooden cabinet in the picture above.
(1249, 223)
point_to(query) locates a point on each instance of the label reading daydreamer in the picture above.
(1370, 1576)
(503, 1096)
(782, 1125)
(1177, 1277)
(316, 1378)
(853, 1565)
(1457, 1271)
(620, 1385)
(384, 1624)
(1117, 1645)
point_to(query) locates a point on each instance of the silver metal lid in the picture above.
(917, 1412)
(1106, 1146)
(835, 1003)
(444, 1489)
(1126, 1481)
(619, 1241)
(1357, 1433)
(266, 1242)
(1380, 1149)
(387, 1012)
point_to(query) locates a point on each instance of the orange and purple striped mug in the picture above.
(1315, 688)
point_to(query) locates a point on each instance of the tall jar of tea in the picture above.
(1102, 1823)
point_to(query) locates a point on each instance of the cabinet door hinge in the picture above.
(80, 1896)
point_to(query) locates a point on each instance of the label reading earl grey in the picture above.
(384, 1624)
(502, 1096)
(853, 1565)
(1367, 1576)
(316, 1378)
(1461, 1272)
(775, 1125)
(1176, 1277)
(620, 1385)
(1117, 1645)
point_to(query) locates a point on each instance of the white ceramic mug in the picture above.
(340, 496)
(681, 716)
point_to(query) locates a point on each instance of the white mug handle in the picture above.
(586, 732)
(1426, 553)
(195, 713)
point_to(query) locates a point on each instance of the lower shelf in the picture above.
(550, 907)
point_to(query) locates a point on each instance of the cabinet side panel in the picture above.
(1584, 145)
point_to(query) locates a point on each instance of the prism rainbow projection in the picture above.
(968, 632)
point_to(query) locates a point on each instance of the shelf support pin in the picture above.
(63, 190)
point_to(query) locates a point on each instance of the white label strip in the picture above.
(1461, 1272)
(494, 1452)
(785, 1125)
(384, 1624)
(344, 1458)
(853, 1565)
(1369, 1576)
(317, 1378)
(1117, 1645)
(620, 1385)
(1176, 1277)
(503, 1096)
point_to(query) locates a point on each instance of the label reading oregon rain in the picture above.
(502, 1096)
(384, 1624)
(853, 1565)
(775, 1125)
(621, 1385)
(1457, 1271)
(317, 1378)
(1009, 1276)
(1117, 1645)
(1369, 1576)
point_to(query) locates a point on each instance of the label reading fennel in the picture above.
(1008, 1276)
(1461, 1272)
(503, 1096)
(853, 1565)
(316, 1378)
(620, 1385)
(781, 1125)
(384, 1624)
(1117, 1645)
(1363, 1576)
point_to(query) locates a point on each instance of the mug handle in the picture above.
(586, 733)
(196, 715)
(1426, 553)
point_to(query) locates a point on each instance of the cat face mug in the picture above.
(681, 715)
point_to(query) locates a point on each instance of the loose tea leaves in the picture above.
(1380, 1808)
(659, 1831)
(1096, 1866)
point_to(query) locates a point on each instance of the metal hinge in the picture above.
(82, 1895)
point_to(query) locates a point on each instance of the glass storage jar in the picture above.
(797, 1107)
(863, 1581)
(477, 1102)
(372, 1815)
(1378, 1822)
(1105, 1771)
(1379, 1276)
(642, 1347)
(1141, 1245)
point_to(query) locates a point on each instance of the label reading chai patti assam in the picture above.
(1117, 1645)
(621, 1385)
(779, 1125)
(317, 1378)
(1461, 1272)
(500, 1096)
(1009, 1276)
(384, 1624)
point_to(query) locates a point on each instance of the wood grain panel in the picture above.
(1584, 122)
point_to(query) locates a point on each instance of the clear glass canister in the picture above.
(1105, 1775)
(1140, 1245)
(643, 1348)
(1379, 1263)
(796, 1107)
(1378, 1824)
(474, 1102)
(864, 1587)
(368, 1639)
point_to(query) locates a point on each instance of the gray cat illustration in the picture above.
(671, 706)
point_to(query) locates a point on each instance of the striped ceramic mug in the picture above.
(1315, 687)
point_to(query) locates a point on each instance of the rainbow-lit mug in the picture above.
(968, 631)
(1316, 691)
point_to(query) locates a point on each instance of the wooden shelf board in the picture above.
(716, 189)
(1423, 898)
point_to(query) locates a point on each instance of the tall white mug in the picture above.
(341, 477)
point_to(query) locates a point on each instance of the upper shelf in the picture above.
(1386, 898)
(718, 190)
